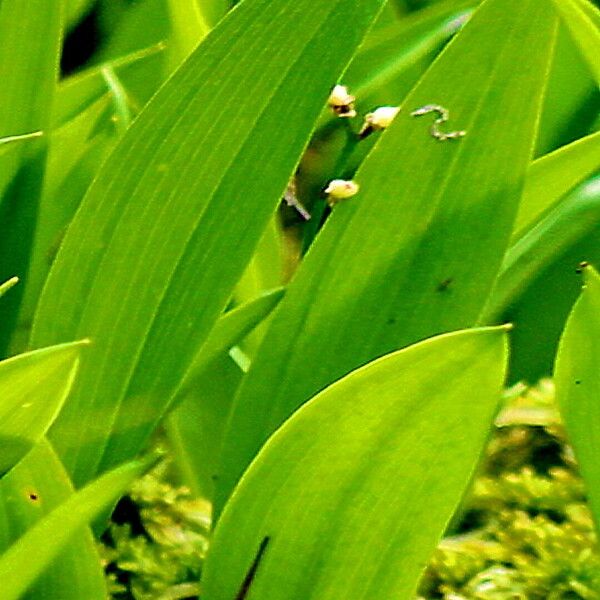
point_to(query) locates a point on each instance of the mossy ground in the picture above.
(524, 531)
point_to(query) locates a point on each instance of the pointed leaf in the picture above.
(232, 327)
(35, 487)
(583, 22)
(148, 249)
(413, 254)
(550, 177)
(355, 489)
(33, 388)
(27, 558)
(577, 376)
(574, 218)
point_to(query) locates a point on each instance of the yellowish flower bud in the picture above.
(380, 118)
(340, 189)
(341, 102)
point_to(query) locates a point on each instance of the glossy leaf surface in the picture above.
(409, 256)
(343, 491)
(577, 375)
(147, 248)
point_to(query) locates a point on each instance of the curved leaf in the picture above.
(577, 376)
(27, 558)
(413, 254)
(583, 22)
(147, 248)
(356, 488)
(33, 388)
(35, 487)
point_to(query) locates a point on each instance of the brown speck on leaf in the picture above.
(444, 285)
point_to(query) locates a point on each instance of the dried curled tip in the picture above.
(341, 102)
(340, 189)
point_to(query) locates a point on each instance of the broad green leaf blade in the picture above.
(577, 376)
(148, 249)
(575, 217)
(552, 176)
(37, 485)
(413, 254)
(27, 558)
(583, 21)
(33, 388)
(232, 327)
(356, 488)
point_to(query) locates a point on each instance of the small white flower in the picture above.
(340, 189)
(342, 102)
(380, 118)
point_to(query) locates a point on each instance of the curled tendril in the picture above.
(443, 116)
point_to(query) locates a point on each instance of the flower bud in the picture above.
(340, 189)
(380, 118)
(341, 102)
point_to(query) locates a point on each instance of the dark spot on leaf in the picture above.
(392, 321)
(33, 496)
(582, 265)
(444, 285)
(578, 382)
(247, 582)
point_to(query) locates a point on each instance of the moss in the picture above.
(154, 548)
(526, 532)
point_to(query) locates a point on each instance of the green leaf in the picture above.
(390, 51)
(195, 427)
(552, 176)
(540, 310)
(37, 485)
(576, 216)
(33, 552)
(30, 31)
(232, 327)
(433, 258)
(76, 151)
(583, 21)
(148, 249)
(572, 98)
(190, 25)
(77, 92)
(577, 376)
(33, 388)
(355, 489)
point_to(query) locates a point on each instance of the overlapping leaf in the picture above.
(352, 493)
(27, 558)
(577, 373)
(35, 487)
(148, 249)
(413, 254)
(33, 388)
